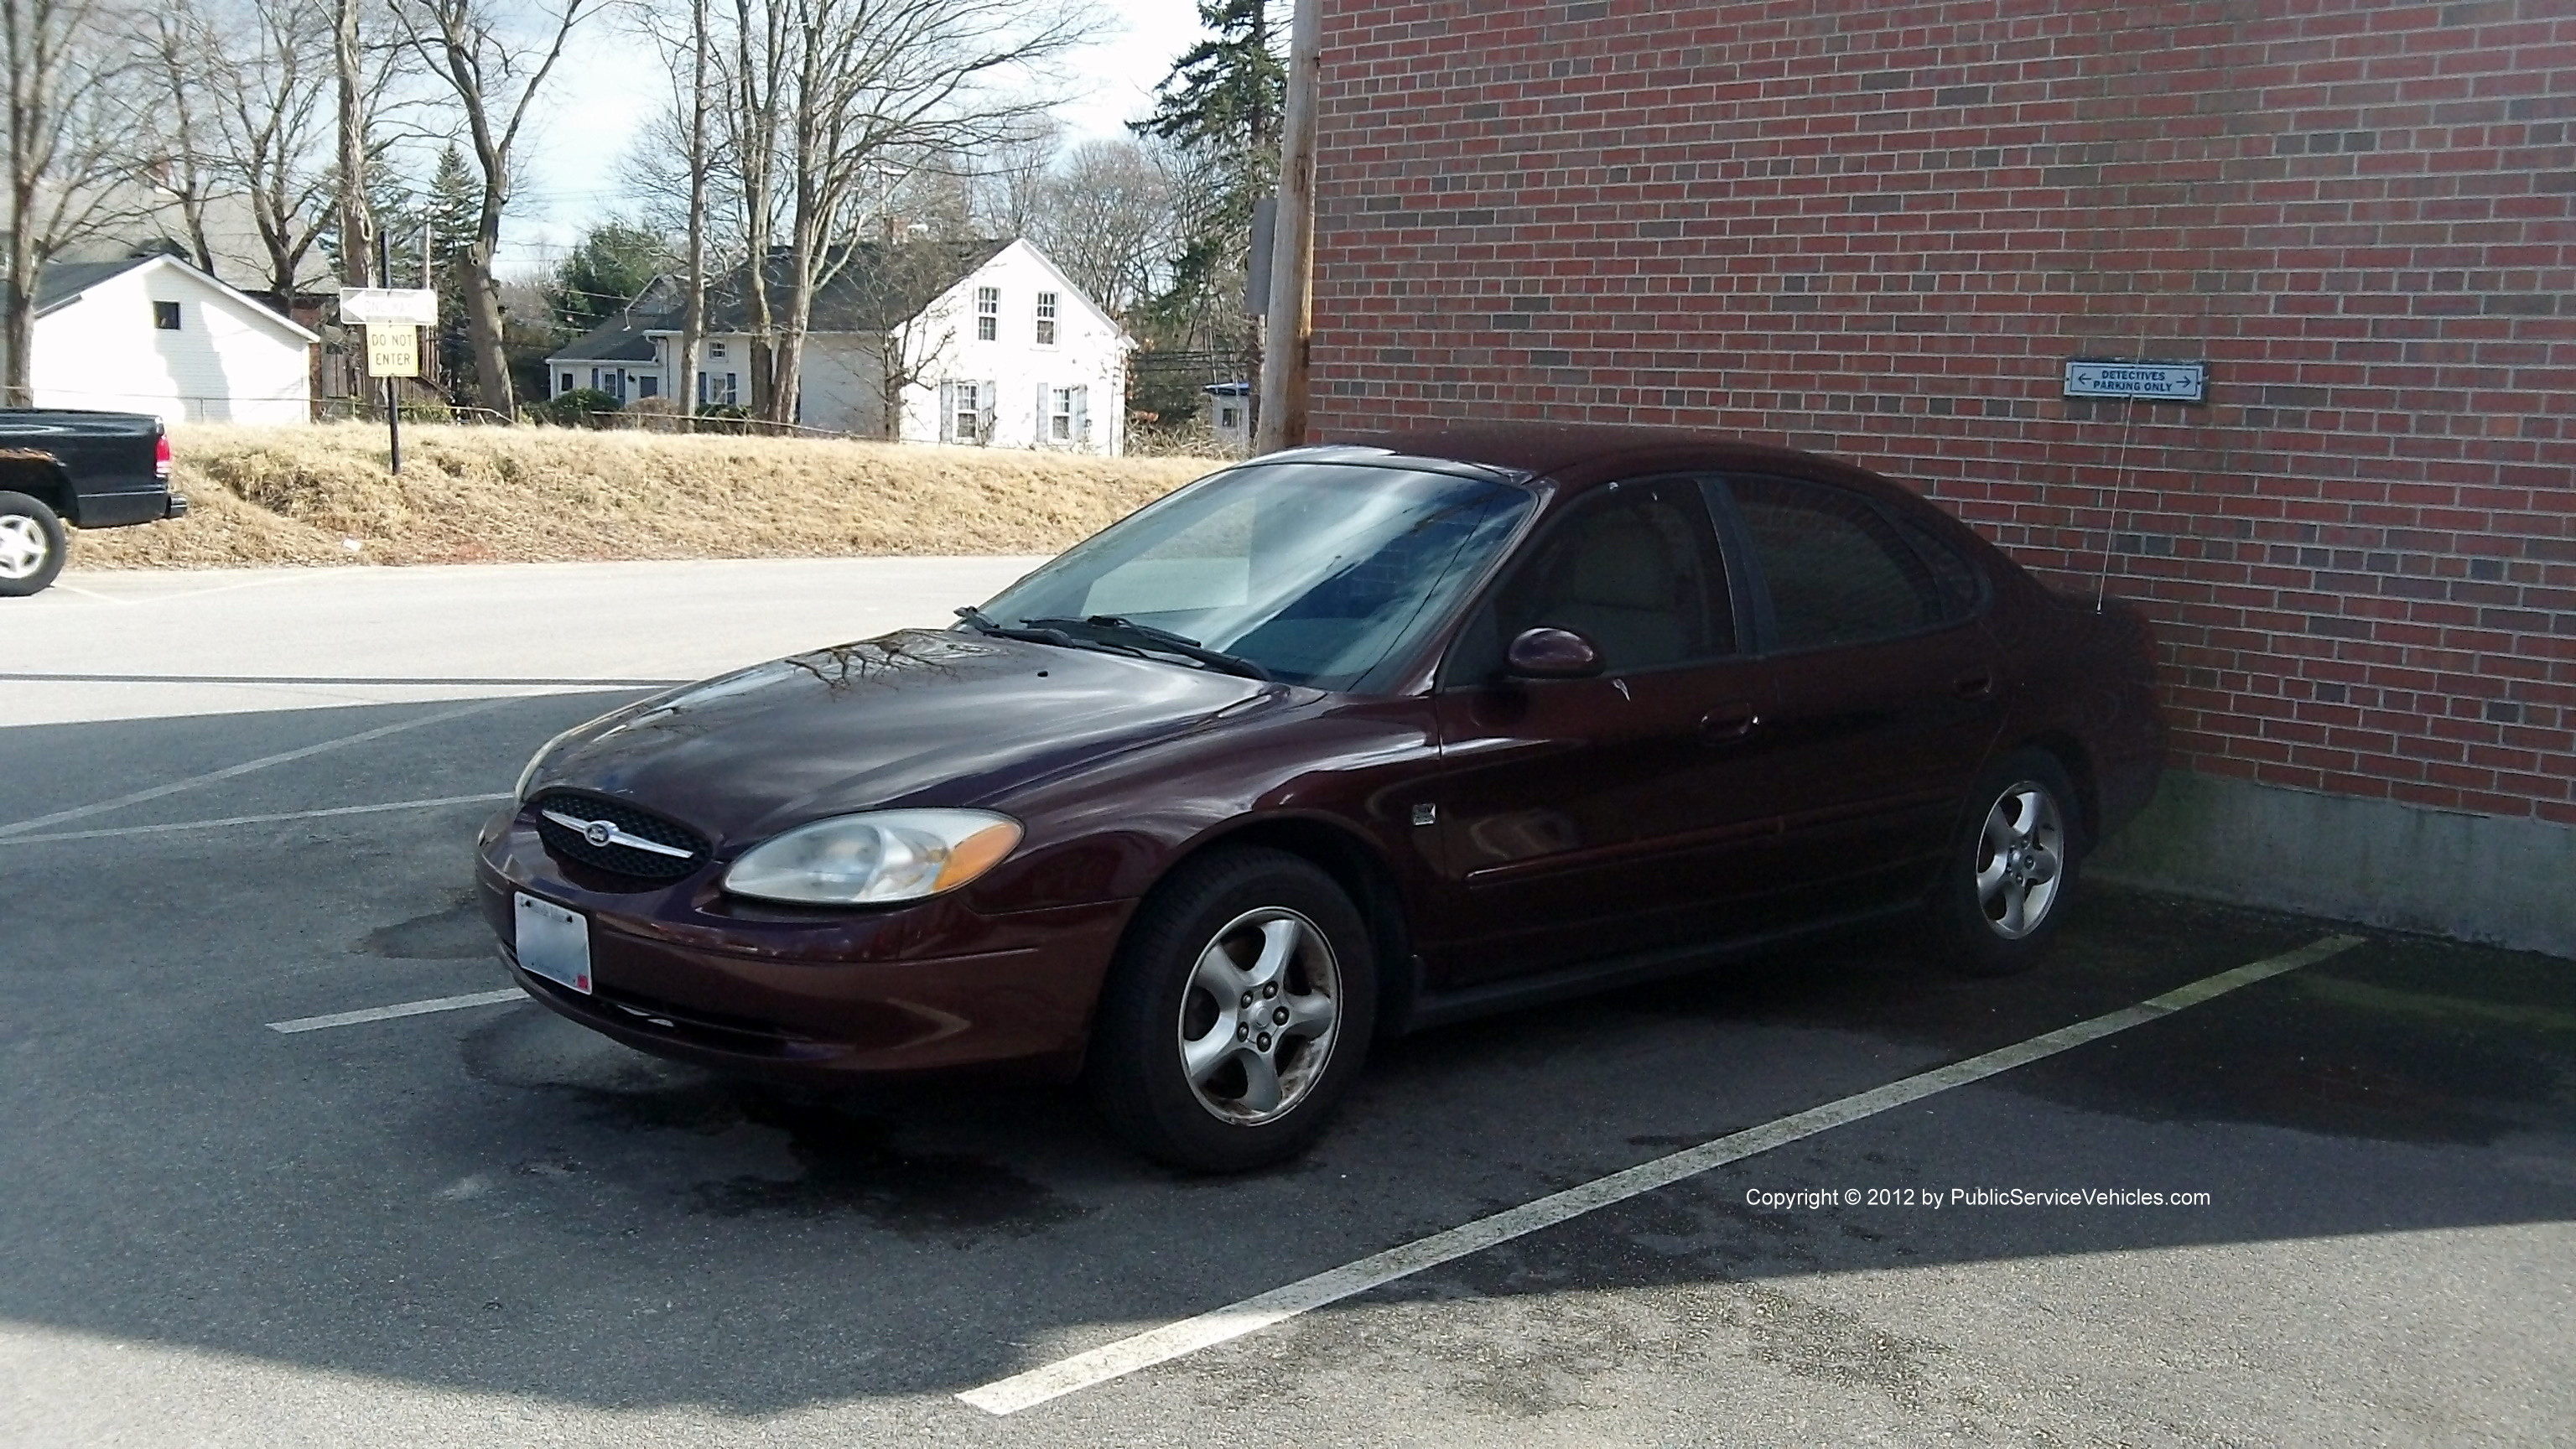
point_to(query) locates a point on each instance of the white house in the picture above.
(982, 343)
(152, 334)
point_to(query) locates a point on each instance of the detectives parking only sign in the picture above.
(2144, 381)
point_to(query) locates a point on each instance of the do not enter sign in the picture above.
(393, 349)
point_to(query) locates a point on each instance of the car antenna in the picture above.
(2119, 480)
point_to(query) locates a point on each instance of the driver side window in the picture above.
(1633, 569)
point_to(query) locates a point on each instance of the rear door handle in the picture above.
(1727, 723)
(1974, 686)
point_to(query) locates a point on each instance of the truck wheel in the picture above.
(31, 545)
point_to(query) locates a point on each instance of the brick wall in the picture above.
(1878, 230)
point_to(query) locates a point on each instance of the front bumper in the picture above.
(813, 995)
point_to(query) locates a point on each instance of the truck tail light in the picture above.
(161, 457)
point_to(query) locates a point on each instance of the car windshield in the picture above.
(1315, 572)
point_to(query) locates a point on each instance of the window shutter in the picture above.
(948, 412)
(991, 395)
(1082, 414)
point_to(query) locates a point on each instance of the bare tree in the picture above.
(693, 300)
(178, 46)
(1011, 187)
(495, 65)
(71, 124)
(757, 65)
(687, 186)
(349, 76)
(872, 90)
(919, 346)
(275, 70)
(1108, 220)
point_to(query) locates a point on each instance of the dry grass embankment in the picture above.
(268, 496)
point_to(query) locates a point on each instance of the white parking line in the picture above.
(407, 1008)
(22, 827)
(1173, 1340)
(256, 819)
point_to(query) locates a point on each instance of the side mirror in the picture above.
(1552, 654)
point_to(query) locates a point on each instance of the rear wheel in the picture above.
(2003, 891)
(31, 545)
(1237, 1012)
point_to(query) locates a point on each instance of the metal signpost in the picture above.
(393, 317)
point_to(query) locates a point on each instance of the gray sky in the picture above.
(610, 81)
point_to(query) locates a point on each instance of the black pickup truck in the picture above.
(91, 470)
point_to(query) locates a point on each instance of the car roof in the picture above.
(1578, 455)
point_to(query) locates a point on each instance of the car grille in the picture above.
(639, 863)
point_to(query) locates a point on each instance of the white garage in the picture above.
(155, 335)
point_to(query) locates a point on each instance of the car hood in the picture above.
(912, 718)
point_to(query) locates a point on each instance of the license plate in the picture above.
(554, 943)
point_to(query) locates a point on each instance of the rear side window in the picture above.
(1962, 587)
(1836, 570)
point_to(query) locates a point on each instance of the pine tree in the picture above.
(1220, 107)
(613, 262)
(450, 213)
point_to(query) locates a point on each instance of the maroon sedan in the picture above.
(1333, 744)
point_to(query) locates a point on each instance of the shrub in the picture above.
(651, 415)
(583, 407)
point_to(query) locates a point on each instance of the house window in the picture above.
(567, 385)
(988, 313)
(1229, 416)
(648, 386)
(165, 316)
(1046, 319)
(715, 350)
(732, 392)
(967, 422)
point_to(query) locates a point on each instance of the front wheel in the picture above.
(31, 545)
(2003, 890)
(1237, 1012)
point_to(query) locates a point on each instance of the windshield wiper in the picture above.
(981, 623)
(1118, 629)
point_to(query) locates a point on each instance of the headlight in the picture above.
(872, 859)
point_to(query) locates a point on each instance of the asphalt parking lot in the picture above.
(231, 803)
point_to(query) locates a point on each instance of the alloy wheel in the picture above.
(1257, 1018)
(23, 547)
(2021, 859)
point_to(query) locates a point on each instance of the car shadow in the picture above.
(495, 1200)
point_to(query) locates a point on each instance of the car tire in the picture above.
(1179, 1065)
(2004, 889)
(32, 546)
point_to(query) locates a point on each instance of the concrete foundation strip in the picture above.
(1235, 1320)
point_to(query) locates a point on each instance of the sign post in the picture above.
(393, 317)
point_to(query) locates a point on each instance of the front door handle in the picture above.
(1727, 723)
(1980, 685)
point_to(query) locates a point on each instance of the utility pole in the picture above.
(393, 385)
(1287, 330)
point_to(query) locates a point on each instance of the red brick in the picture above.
(2334, 203)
